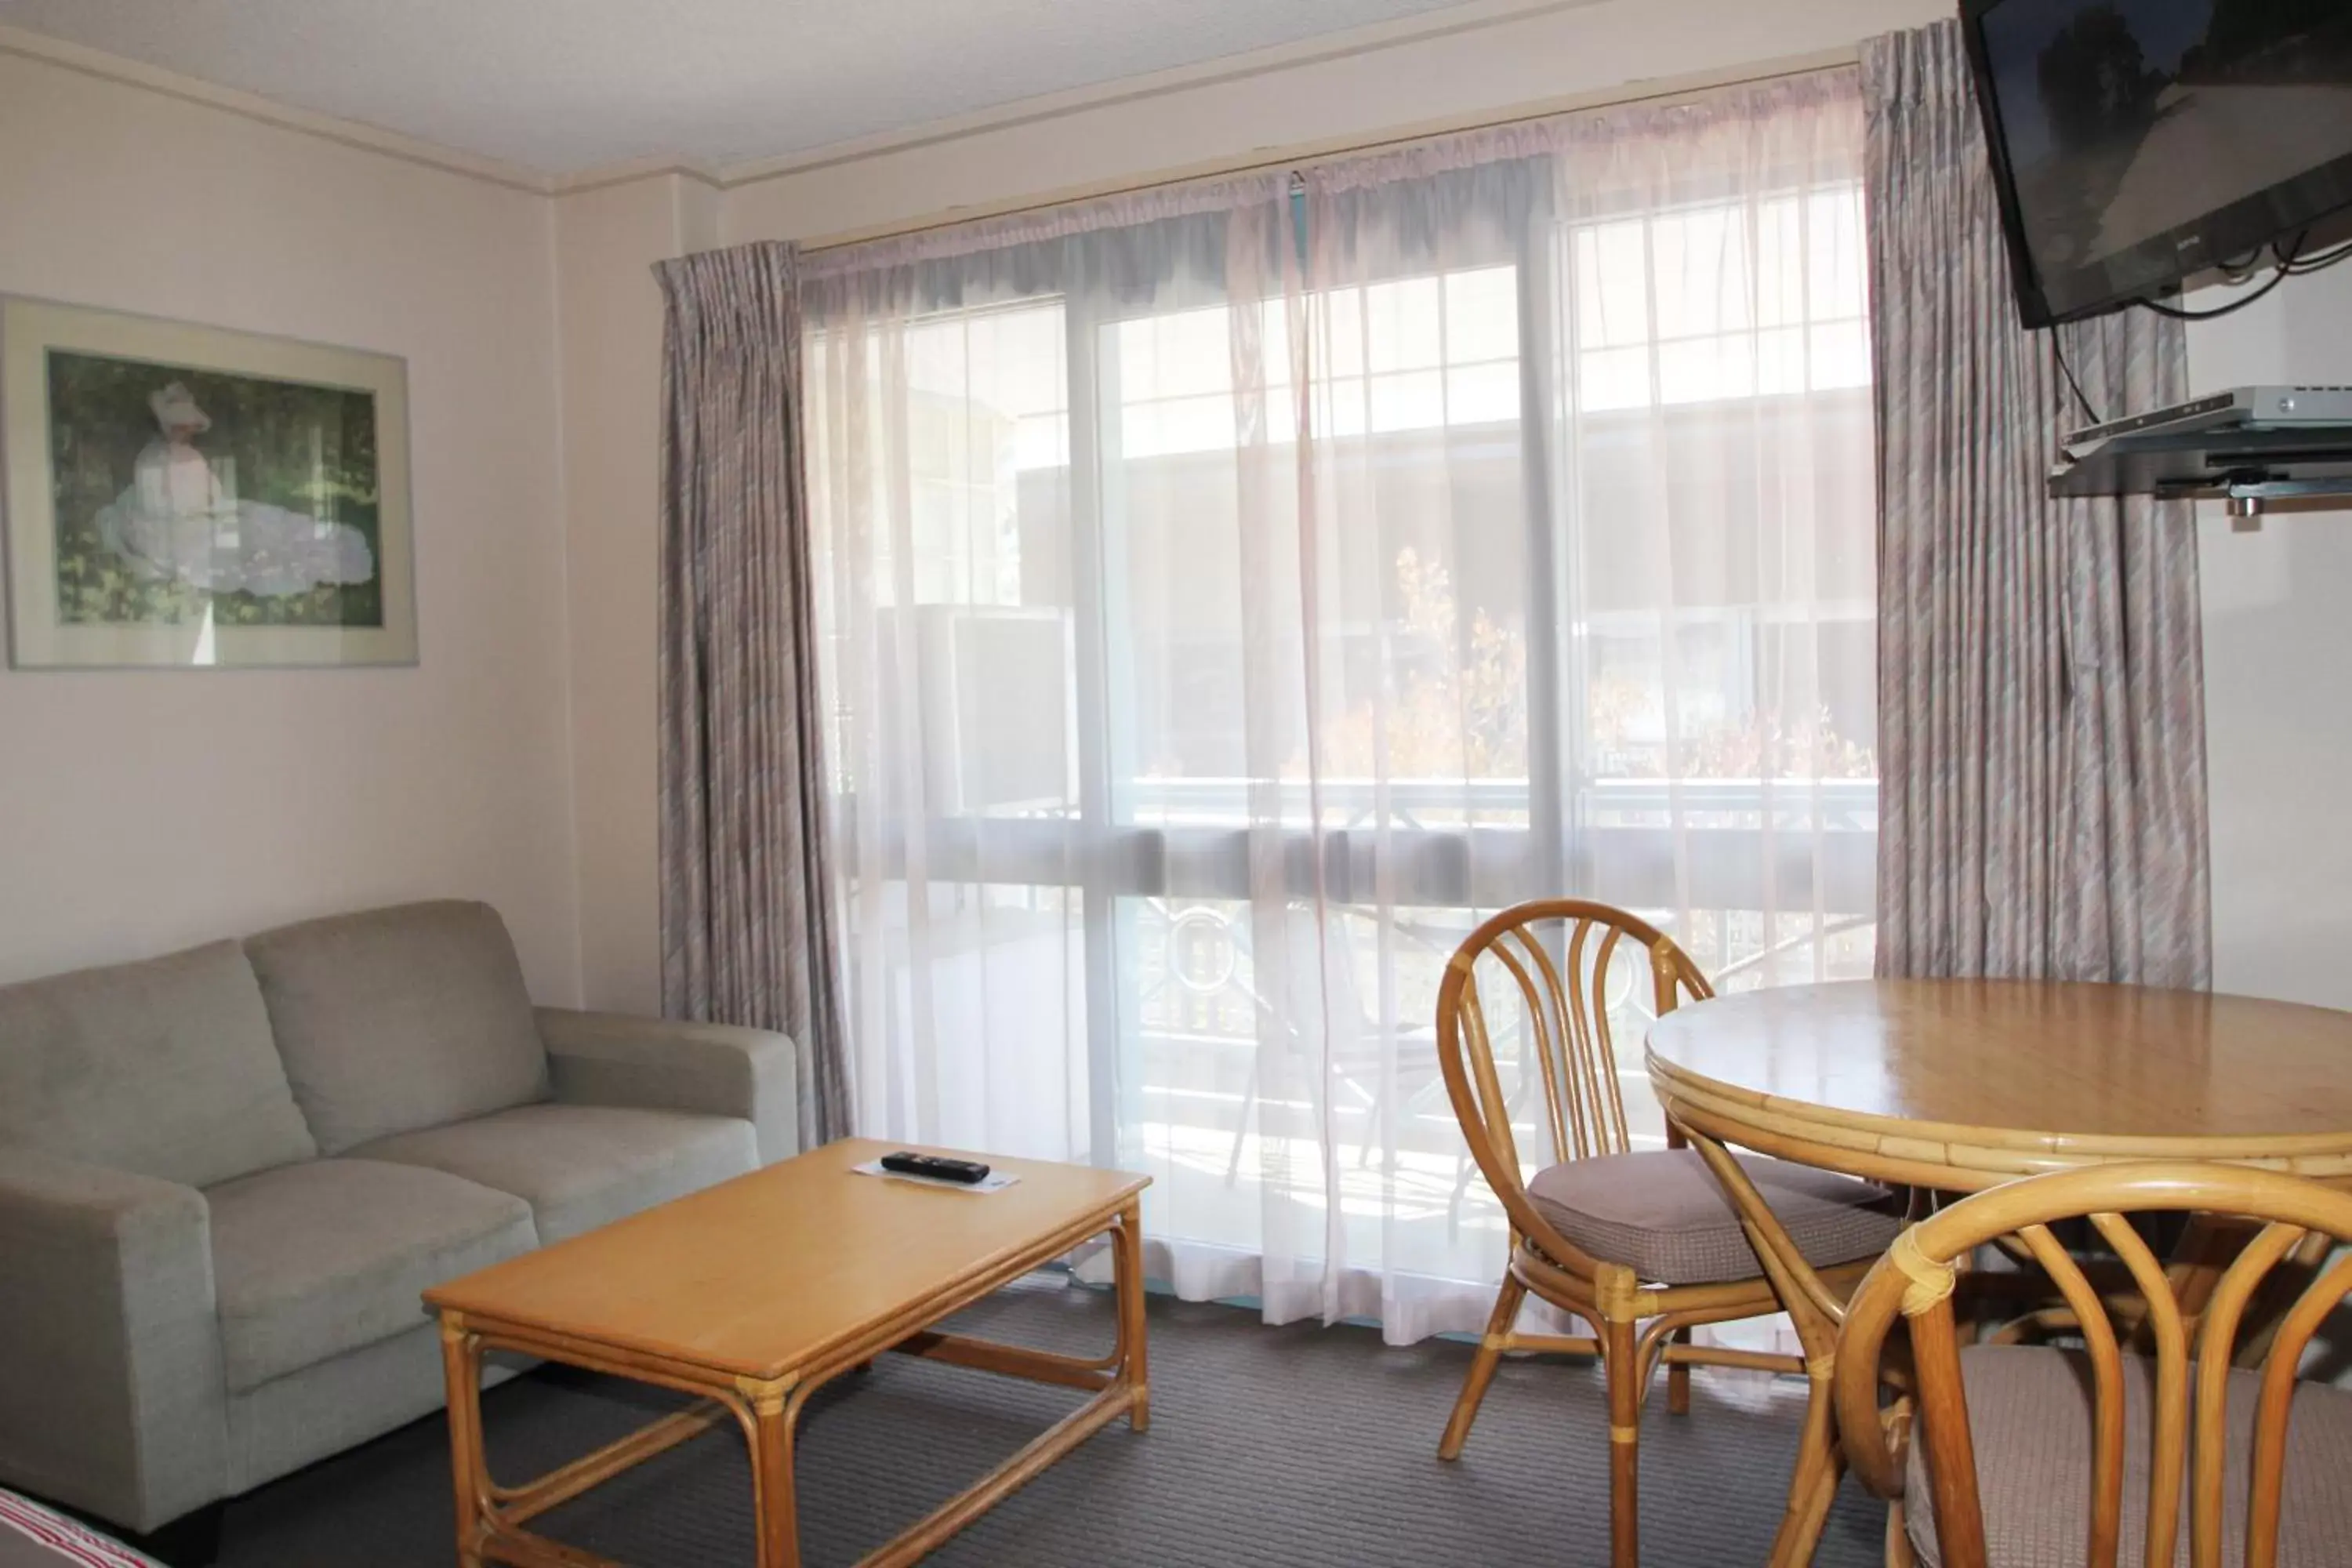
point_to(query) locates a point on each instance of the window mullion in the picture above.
(1554, 701)
(1092, 397)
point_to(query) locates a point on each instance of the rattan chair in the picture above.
(1642, 1244)
(2035, 1454)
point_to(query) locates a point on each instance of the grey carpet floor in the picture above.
(1299, 1444)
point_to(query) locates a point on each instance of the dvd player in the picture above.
(2241, 407)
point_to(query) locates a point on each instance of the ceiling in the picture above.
(562, 86)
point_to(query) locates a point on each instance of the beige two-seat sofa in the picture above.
(226, 1174)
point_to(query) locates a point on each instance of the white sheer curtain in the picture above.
(1234, 593)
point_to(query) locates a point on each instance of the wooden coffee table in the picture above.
(757, 1292)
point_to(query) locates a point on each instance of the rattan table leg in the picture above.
(1816, 1313)
(461, 1366)
(776, 1411)
(1127, 1261)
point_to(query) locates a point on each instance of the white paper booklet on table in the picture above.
(995, 1181)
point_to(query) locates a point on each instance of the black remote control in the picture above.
(907, 1162)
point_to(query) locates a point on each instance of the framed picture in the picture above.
(181, 496)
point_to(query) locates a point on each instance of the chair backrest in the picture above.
(1321, 973)
(1552, 960)
(2188, 1424)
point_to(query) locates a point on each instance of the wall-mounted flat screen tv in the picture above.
(2136, 143)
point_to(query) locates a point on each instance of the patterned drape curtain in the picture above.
(747, 908)
(2041, 703)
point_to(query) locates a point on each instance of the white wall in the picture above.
(2278, 642)
(610, 312)
(140, 811)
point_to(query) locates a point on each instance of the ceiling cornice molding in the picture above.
(1476, 16)
(604, 175)
(269, 111)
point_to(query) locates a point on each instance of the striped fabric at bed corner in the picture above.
(62, 1539)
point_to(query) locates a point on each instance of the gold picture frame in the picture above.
(189, 497)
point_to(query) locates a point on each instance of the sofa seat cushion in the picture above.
(2030, 1422)
(400, 1018)
(164, 1068)
(315, 1259)
(580, 1166)
(1661, 1213)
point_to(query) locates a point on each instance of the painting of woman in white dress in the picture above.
(181, 520)
(184, 494)
(177, 496)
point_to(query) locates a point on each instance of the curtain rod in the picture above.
(1309, 153)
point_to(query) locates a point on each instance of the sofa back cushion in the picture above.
(164, 1069)
(400, 1018)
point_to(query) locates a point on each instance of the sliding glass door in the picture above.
(1227, 610)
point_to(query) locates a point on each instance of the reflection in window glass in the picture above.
(1722, 507)
(1225, 1089)
(1421, 353)
(950, 670)
(1429, 641)
(1723, 301)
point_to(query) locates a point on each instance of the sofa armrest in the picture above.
(717, 1069)
(112, 1396)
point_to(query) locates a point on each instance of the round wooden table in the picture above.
(1963, 1084)
(1959, 1085)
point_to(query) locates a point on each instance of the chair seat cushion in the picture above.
(1661, 1213)
(2030, 1416)
(580, 1166)
(314, 1259)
